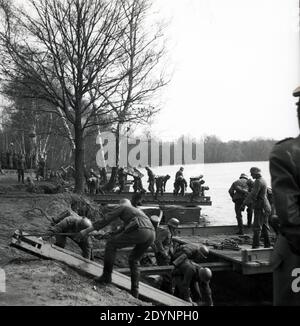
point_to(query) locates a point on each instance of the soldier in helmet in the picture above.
(163, 249)
(262, 209)
(72, 223)
(191, 281)
(238, 193)
(160, 182)
(285, 172)
(121, 179)
(151, 180)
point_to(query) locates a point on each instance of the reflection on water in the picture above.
(219, 178)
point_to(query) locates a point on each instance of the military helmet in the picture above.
(155, 220)
(244, 176)
(173, 222)
(204, 274)
(255, 170)
(85, 223)
(203, 251)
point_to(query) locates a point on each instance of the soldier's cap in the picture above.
(296, 92)
(244, 176)
(255, 170)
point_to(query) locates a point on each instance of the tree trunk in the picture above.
(113, 178)
(79, 157)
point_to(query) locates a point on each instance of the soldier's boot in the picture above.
(240, 225)
(135, 277)
(109, 258)
(256, 238)
(265, 233)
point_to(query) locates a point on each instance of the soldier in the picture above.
(138, 230)
(163, 250)
(262, 209)
(191, 281)
(70, 222)
(285, 172)
(238, 192)
(196, 184)
(92, 182)
(161, 182)
(41, 167)
(151, 180)
(138, 185)
(250, 184)
(122, 179)
(180, 184)
(21, 167)
(179, 173)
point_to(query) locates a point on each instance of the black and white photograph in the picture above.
(149, 156)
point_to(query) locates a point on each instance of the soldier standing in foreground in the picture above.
(285, 175)
(138, 231)
(262, 209)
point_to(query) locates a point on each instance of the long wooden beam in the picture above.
(43, 249)
(158, 270)
(166, 199)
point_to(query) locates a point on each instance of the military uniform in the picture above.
(163, 250)
(122, 179)
(151, 181)
(285, 174)
(73, 224)
(250, 184)
(138, 230)
(187, 284)
(161, 182)
(238, 192)
(180, 184)
(262, 211)
(21, 168)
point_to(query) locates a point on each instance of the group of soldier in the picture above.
(187, 280)
(257, 197)
(11, 160)
(280, 208)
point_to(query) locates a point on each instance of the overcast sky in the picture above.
(236, 64)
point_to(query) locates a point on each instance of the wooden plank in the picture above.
(168, 198)
(158, 270)
(206, 231)
(43, 249)
(260, 254)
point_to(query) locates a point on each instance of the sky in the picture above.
(235, 65)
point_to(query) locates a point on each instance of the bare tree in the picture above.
(143, 48)
(66, 52)
(91, 60)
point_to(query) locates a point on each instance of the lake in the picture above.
(218, 177)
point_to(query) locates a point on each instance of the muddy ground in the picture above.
(32, 281)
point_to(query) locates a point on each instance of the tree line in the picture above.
(217, 151)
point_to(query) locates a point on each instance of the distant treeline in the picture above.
(216, 151)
